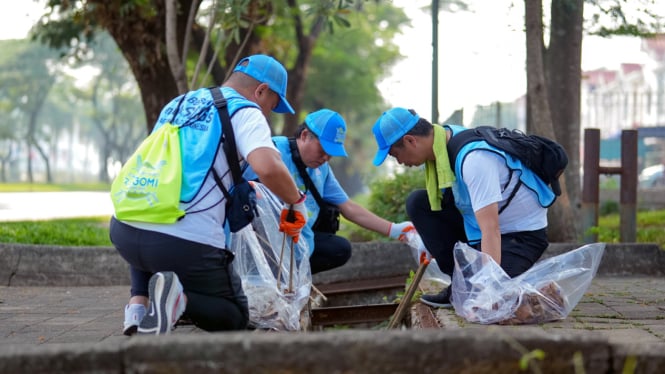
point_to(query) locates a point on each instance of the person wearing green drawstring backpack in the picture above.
(185, 267)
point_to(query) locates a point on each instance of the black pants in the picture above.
(215, 300)
(440, 230)
(330, 251)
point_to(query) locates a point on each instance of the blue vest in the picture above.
(324, 181)
(200, 134)
(461, 192)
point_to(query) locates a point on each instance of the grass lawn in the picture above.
(650, 227)
(94, 231)
(65, 232)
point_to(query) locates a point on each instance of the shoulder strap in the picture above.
(473, 135)
(229, 137)
(295, 156)
(458, 141)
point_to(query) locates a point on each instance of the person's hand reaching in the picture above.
(398, 230)
(293, 218)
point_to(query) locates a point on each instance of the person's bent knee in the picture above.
(211, 313)
(233, 320)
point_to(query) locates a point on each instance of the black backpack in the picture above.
(543, 156)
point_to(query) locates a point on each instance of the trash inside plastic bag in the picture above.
(433, 273)
(482, 292)
(275, 272)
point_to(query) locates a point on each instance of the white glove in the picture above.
(398, 230)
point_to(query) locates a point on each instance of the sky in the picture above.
(482, 54)
(482, 57)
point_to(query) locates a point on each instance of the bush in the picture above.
(387, 199)
(609, 207)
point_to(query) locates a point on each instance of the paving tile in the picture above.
(626, 309)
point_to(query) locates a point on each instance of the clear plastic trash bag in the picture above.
(277, 288)
(433, 273)
(482, 292)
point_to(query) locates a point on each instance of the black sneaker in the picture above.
(167, 303)
(439, 300)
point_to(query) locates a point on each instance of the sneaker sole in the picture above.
(152, 322)
(130, 330)
(165, 291)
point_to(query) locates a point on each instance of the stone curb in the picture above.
(360, 351)
(34, 265)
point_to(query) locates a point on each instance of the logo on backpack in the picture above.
(147, 189)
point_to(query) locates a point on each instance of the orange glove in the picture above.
(293, 218)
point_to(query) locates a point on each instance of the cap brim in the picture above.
(381, 155)
(283, 106)
(333, 149)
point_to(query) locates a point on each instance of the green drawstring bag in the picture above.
(147, 189)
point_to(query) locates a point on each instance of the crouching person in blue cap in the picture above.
(184, 267)
(316, 141)
(477, 201)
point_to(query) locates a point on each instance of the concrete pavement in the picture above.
(29, 206)
(626, 310)
(47, 325)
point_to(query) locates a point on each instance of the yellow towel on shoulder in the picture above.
(438, 174)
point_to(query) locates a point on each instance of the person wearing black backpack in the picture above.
(319, 138)
(487, 199)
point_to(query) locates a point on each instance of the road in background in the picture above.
(23, 206)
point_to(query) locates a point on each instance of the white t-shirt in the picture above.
(489, 181)
(204, 220)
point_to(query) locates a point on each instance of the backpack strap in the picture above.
(295, 156)
(461, 139)
(458, 141)
(229, 141)
(229, 137)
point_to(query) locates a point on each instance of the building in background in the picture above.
(632, 97)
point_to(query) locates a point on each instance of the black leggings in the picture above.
(330, 251)
(440, 230)
(215, 300)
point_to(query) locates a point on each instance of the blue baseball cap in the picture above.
(391, 127)
(330, 128)
(266, 69)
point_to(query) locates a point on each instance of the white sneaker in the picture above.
(167, 303)
(133, 315)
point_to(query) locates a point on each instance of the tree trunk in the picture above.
(563, 64)
(141, 36)
(173, 46)
(47, 163)
(539, 117)
(31, 177)
(297, 75)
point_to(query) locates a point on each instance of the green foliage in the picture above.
(347, 64)
(387, 200)
(649, 224)
(616, 17)
(66, 232)
(629, 365)
(609, 207)
(389, 194)
(536, 354)
(609, 183)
